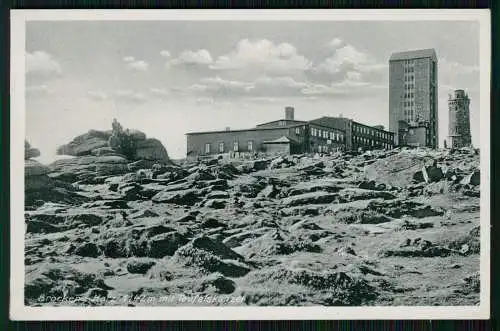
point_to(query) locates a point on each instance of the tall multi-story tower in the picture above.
(459, 120)
(413, 113)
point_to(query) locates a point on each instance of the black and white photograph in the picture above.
(322, 164)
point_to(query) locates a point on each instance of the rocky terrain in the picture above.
(398, 227)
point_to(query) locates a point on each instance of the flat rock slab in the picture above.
(185, 197)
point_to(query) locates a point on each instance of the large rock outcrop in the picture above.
(88, 167)
(40, 188)
(151, 149)
(30, 152)
(130, 144)
(84, 144)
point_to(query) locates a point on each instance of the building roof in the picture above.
(281, 140)
(250, 129)
(339, 123)
(414, 54)
(330, 122)
(284, 120)
(325, 121)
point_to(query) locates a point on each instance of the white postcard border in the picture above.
(17, 114)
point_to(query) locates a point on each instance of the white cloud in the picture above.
(180, 90)
(159, 92)
(264, 86)
(334, 43)
(42, 63)
(198, 88)
(353, 76)
(262, 100)
(349, 58)
(39, 90)
(278, 86)
(351, 85)
(280, 81)
(130, 96)
(267, 87)
(165, 53)
(201, 56)
(287, 86)
(97, 95)
(320, 89)
(219, 85)
(447, 66)
(453, 75)
(205, 101)
(264, 55)
(137, 65)
(348, 83)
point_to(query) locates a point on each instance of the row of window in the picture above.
(409, 103)
(409, 119)
(409, 78)
(372, 132)
(409, 95)
(408, 62)
(326, 149)
(409, 115)
(409, 112)
(236, 147)
(373, 144)
(409, 86)
(413, 117)
(409, 69)
(452, 102)
(366, 141)
(327, 134)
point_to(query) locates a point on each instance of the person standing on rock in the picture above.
(114, 140)
(116, 126)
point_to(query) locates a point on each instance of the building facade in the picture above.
(289, 136)
(413, 110)
(459, 119)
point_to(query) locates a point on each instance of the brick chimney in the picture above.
(289, 113)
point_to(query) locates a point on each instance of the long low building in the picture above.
(289, 136)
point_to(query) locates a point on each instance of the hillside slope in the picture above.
(370, 229)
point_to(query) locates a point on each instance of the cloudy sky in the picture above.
(167, 78)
